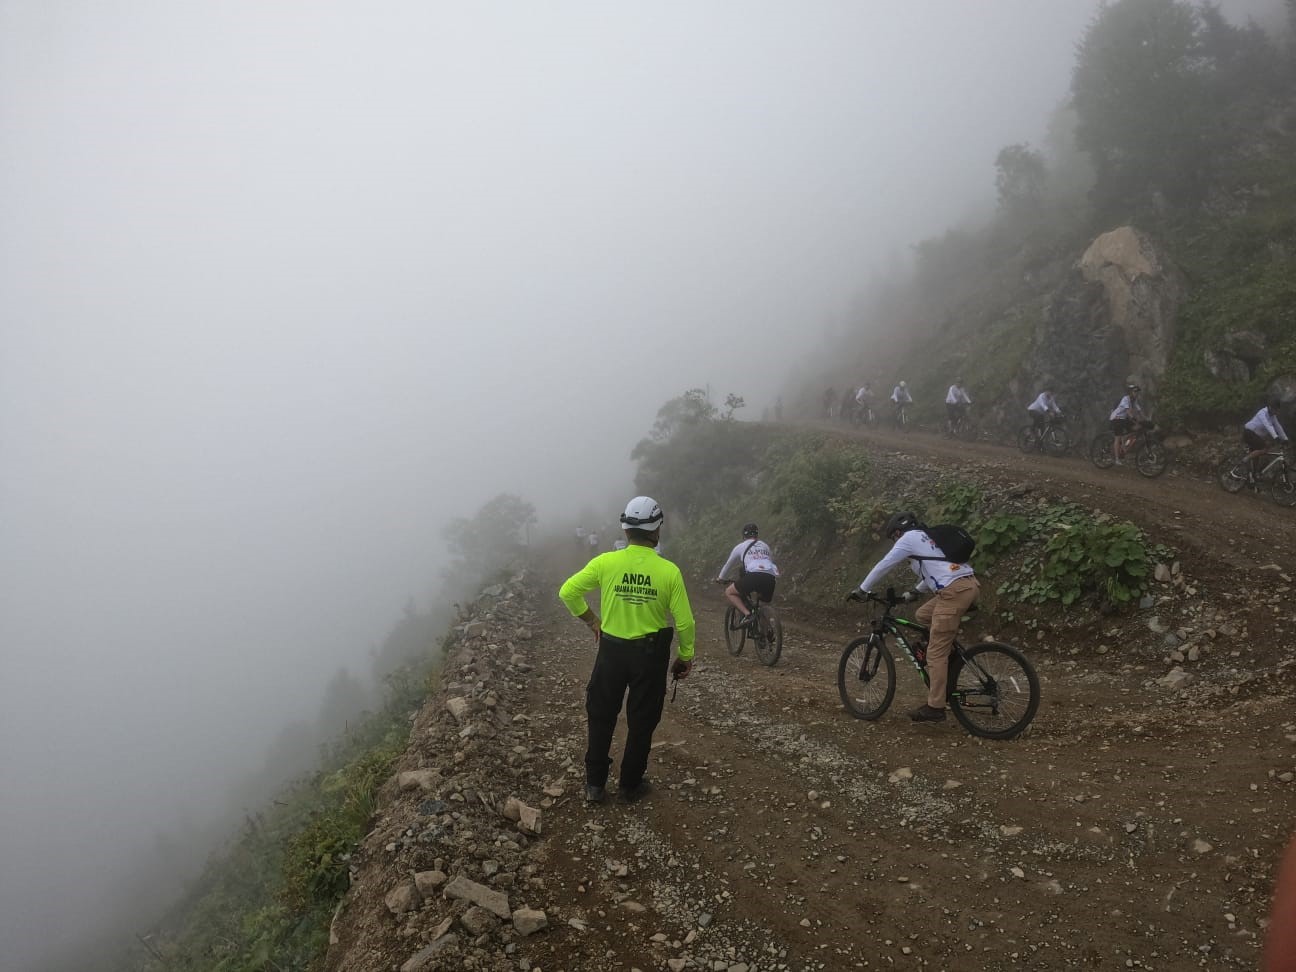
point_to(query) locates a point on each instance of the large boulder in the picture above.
(1144, 291)
(1113, 316)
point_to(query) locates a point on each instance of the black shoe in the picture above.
(594, 794)
(631, 794)
(925, 713)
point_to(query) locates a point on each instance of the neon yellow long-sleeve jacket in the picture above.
(636, 588)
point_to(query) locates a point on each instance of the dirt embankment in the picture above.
(1134, 826)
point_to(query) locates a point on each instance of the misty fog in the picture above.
(286, 288)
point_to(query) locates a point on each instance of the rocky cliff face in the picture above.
(1114, 316)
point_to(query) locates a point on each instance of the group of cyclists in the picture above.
(1259, 434)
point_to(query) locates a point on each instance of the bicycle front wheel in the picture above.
(1151, 458)
(1283, 489)
(1027, 438)
(866, 679)
(1056, 440)
(735, 636)
(993, 690)
(1100, 451)
(1232, 475)
(768, 635)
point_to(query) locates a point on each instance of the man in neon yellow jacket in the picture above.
(637, 587)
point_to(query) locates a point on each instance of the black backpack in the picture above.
(955, 542)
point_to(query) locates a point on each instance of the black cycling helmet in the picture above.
(1274, 402)
(750, 531)
(899, 521)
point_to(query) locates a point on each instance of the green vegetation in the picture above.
(267, 900)
(1179, 123)
(827, 495)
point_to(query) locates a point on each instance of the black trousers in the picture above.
(639, 668)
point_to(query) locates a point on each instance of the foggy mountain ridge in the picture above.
(264, 280)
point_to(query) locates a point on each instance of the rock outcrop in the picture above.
(1113, 316)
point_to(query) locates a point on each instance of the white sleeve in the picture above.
(735, 557)
(898, 554)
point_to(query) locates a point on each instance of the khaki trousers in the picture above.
(942, 615)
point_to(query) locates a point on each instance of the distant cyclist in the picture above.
(1125, 418)
(900, 397)
(1043, 408)
(957, 403)
(954, 585)
(864, 401)
(1261, 433)
(757, 572)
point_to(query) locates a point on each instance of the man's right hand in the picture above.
(681, 668)
(855, 594)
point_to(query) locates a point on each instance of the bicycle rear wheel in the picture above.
(1283, 489)
(1027, 438)
(735, 637)
(993, 690)
(1232, 475)
(1100, 451)
(1151, 458)
(866, 679)
(1057, 441)
(768, 635)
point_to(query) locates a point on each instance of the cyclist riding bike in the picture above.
(1043, 408)
(1261, 433)
(900, 397)
(864, 401)
(1127, 416)
(957, 403)
(756, 571)
(955, 588)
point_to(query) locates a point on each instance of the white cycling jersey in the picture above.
(753, 556)
(932, 574)
(1044, 404)
(1127, 409)
(1265, 422)
(957, 396)
(901, 396)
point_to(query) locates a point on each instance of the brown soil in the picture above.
(1131, 827)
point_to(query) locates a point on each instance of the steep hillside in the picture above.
(1176, 267)
(1134, 826)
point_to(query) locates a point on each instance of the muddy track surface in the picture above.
(1131, 827)
(1120, 832)
(1136, 825)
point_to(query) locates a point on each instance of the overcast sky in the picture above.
(285, 286)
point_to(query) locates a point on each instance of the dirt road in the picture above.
(1131, 828)
(1135, 826)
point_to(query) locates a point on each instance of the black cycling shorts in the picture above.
(1122, 426)
(758, 581)
(1254, 440)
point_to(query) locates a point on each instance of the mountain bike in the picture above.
(1052, 437)
(1235, 473)
(960, 427)
(765, 629)
(901, 415)
(1143, 444)
(993, 690)
(863, 415)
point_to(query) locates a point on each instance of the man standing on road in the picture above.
(955, 587)
(637, 587)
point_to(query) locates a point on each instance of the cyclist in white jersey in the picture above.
(957, 402)
(955, 588)
(1262, 432)
(900, 395)
(1124, 419)
(756, 569)
(1044, 406)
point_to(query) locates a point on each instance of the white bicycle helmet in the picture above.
(642, 513)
